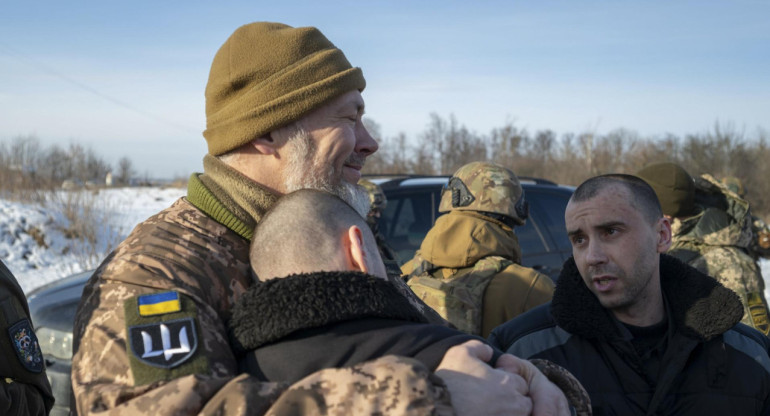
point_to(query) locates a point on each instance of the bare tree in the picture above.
(125, 171)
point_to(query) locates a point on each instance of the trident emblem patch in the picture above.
(164, 344)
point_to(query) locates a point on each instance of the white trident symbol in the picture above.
(167, 351)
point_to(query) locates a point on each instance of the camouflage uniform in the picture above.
(468, 267)
(378, 201)
(24, 387)
(760, 241)
(185, 252)
(716, 242)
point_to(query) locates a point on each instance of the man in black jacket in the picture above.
(643, 332)
(322, 300)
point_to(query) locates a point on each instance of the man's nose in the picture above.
(595, 254)
(365, 143)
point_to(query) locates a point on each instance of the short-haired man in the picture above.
(283, 112)
(643, 332)
(323, 301)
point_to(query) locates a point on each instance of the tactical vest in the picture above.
(457, 298)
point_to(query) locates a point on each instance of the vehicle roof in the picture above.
(389, 181)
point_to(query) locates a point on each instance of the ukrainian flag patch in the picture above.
(159, 303)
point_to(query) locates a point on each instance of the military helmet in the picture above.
(485, 187)
(734, 184)
(377, 199)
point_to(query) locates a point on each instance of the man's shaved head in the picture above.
(643, 196)
(305, 232)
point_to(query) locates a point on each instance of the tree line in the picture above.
(26, 165)
(446, 144)
(570, 158)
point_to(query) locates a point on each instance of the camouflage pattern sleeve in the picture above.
(105, 383)
(108, 376)
(388, 385)
(737, 271)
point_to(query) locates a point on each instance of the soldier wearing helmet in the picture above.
(377, 203)
(468, 267)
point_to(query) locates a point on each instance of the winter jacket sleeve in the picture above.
(24, 387)
(109, 378)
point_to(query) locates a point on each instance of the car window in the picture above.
(530, 237)
(406, 219)
(549, 208)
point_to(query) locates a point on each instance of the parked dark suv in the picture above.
(411, 211)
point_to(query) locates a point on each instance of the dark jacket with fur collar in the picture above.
(712, 364)
(285, 329)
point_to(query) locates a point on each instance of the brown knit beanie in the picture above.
(268, 75)
(673, 185)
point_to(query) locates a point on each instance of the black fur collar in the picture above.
(701, 307)
(271, 310)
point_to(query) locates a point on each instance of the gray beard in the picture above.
(303, 171)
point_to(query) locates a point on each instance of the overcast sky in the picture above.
(127, 78)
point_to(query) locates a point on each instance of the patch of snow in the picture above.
(34, 241)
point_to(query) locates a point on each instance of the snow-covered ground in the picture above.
(116, 211)
(34, 241)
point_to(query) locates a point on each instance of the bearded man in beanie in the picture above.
(711, 231)
(283, 108)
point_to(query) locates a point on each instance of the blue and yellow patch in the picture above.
(159, 304)
(162, 337)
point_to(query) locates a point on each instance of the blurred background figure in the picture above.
(760, 241)
(468, 267)
(378, 201)
(711, 231)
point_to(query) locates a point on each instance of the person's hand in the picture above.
(547, 399)
(478, 389)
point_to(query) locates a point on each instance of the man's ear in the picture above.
(266, 144)
(270, 143)
(664, 234)
(356, 253)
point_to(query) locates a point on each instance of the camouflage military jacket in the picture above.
(151, 337)
(24, 387)
(716, 242)
(459, 244)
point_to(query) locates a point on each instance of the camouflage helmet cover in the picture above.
(734, 184)
(485, 187)
(377, 198)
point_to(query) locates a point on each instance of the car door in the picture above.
(543, 239)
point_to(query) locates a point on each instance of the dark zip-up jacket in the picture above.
(712, 364)
(286, 328)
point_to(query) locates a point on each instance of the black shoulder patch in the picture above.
(164, 344)
(25, 344)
